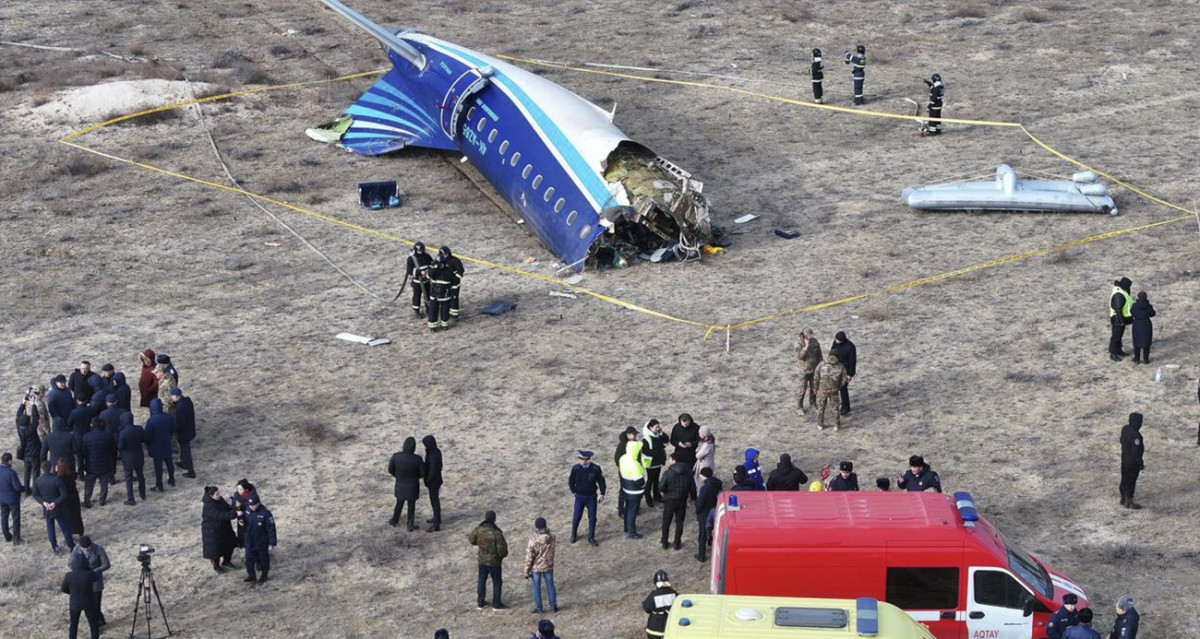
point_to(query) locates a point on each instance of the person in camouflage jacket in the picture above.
(488, 537)
(808, 353)
(828, 379)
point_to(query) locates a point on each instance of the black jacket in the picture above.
(680, 435)
(216, 531)
(406, 466)
(122, 391)
(1126, 625)
(433, 463)
(655, 447)
(61, 443)
(80, 584)
(49, 487)
(111, 417)
(98, 453)
(657, 605)
(130, 443)
(840, 484)
(1059, 622)
(677, 483)
(707, 497)
(847, 356)
(586, 481)
(185, 420)
(79, 385)
(260, 529)
(59, 402)
(786, 476)
(27, 437)
(80, 421)
(1143, 328)
(1132, 446)
(923, 480)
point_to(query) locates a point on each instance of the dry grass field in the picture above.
(1000, 378)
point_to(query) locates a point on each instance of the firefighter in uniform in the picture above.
(858, 72)
(416, 268)
(818, 75)
(1120, 314)
(937, 92)
(658, 604)
(456, 268)
(1063, 618)
(441, 276)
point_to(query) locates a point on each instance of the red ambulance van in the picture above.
(929, 554)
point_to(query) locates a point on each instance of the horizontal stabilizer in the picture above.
(385, 119)
(389, 39)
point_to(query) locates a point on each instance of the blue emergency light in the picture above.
(867, 616)
(966, 508)
(733, 501)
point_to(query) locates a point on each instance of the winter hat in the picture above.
(846, 466)
(1124, 602)
(546, 628)
(253, 501)
(539, 523)
(916, 460)
(1070, 599)
(704, 432)
(1085, 615)
(489, 517)
(175, 392)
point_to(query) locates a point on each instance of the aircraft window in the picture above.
(995, 588)
(503, 147)
(549, 194)
(527, 171)
(515, 158)
(559, 204)
(571, 217)
(482, 125)
(492, 135)
(922, 588)
(470, 113)
(537, 181)
(583, 232)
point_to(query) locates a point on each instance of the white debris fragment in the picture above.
(359, 339)
(745, 218)
(563, 294)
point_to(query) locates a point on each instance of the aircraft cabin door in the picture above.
(995, 605)
(457, 96)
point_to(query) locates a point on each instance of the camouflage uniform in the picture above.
(809, 358)
(828, 379)
(164, 390)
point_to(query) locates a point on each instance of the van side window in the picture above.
(995, 588)
(923, 588)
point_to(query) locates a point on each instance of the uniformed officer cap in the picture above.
(916, 460)
(846, 466)
(1070, 599)
(253, 501)
(586, 454)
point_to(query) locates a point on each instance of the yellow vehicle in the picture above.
(735, 617)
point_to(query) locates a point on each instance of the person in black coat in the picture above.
(59, 401)
(98, 453)
(61, 444)
(216, 531)
(706, 500)
(685, 437)
(29, 447)
(654, 458)
(846, 480)
(123, 392)
(786, 476)
(406, 466)
(129, 443)
(1143, 328)
(433, 480)
(80, 420)
(79, 383)
(919, 477)
(1132, 451)
(1125, 626)
(51, 492)
(111, 415)
(80, 584)
(185, 430)
(678, 488)
(847, 356)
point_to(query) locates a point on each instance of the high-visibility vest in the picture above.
(629, 465)
(1127, 309)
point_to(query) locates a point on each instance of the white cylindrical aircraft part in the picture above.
(1093, 189)
(1084, 177)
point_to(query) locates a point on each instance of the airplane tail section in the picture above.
(383, 120)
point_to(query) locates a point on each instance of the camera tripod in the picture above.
(145, 587)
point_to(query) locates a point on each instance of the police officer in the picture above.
(260, 540)
(818, 76)
(1126, 624)
(456, 267)
(1132, 451)
(936, 92)
(1082, 630)
(416, 269)
(441, 278)
(658, 604)
(858, 62)
(585, 482)
(919, 477)
(1120, 314)
(847, 479)
(1063, 618)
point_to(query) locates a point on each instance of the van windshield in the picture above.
(1029, 570)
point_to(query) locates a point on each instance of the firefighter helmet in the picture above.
(660, 577)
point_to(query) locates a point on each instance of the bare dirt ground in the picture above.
(999, 378)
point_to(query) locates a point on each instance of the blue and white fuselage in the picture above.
(543, 148)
